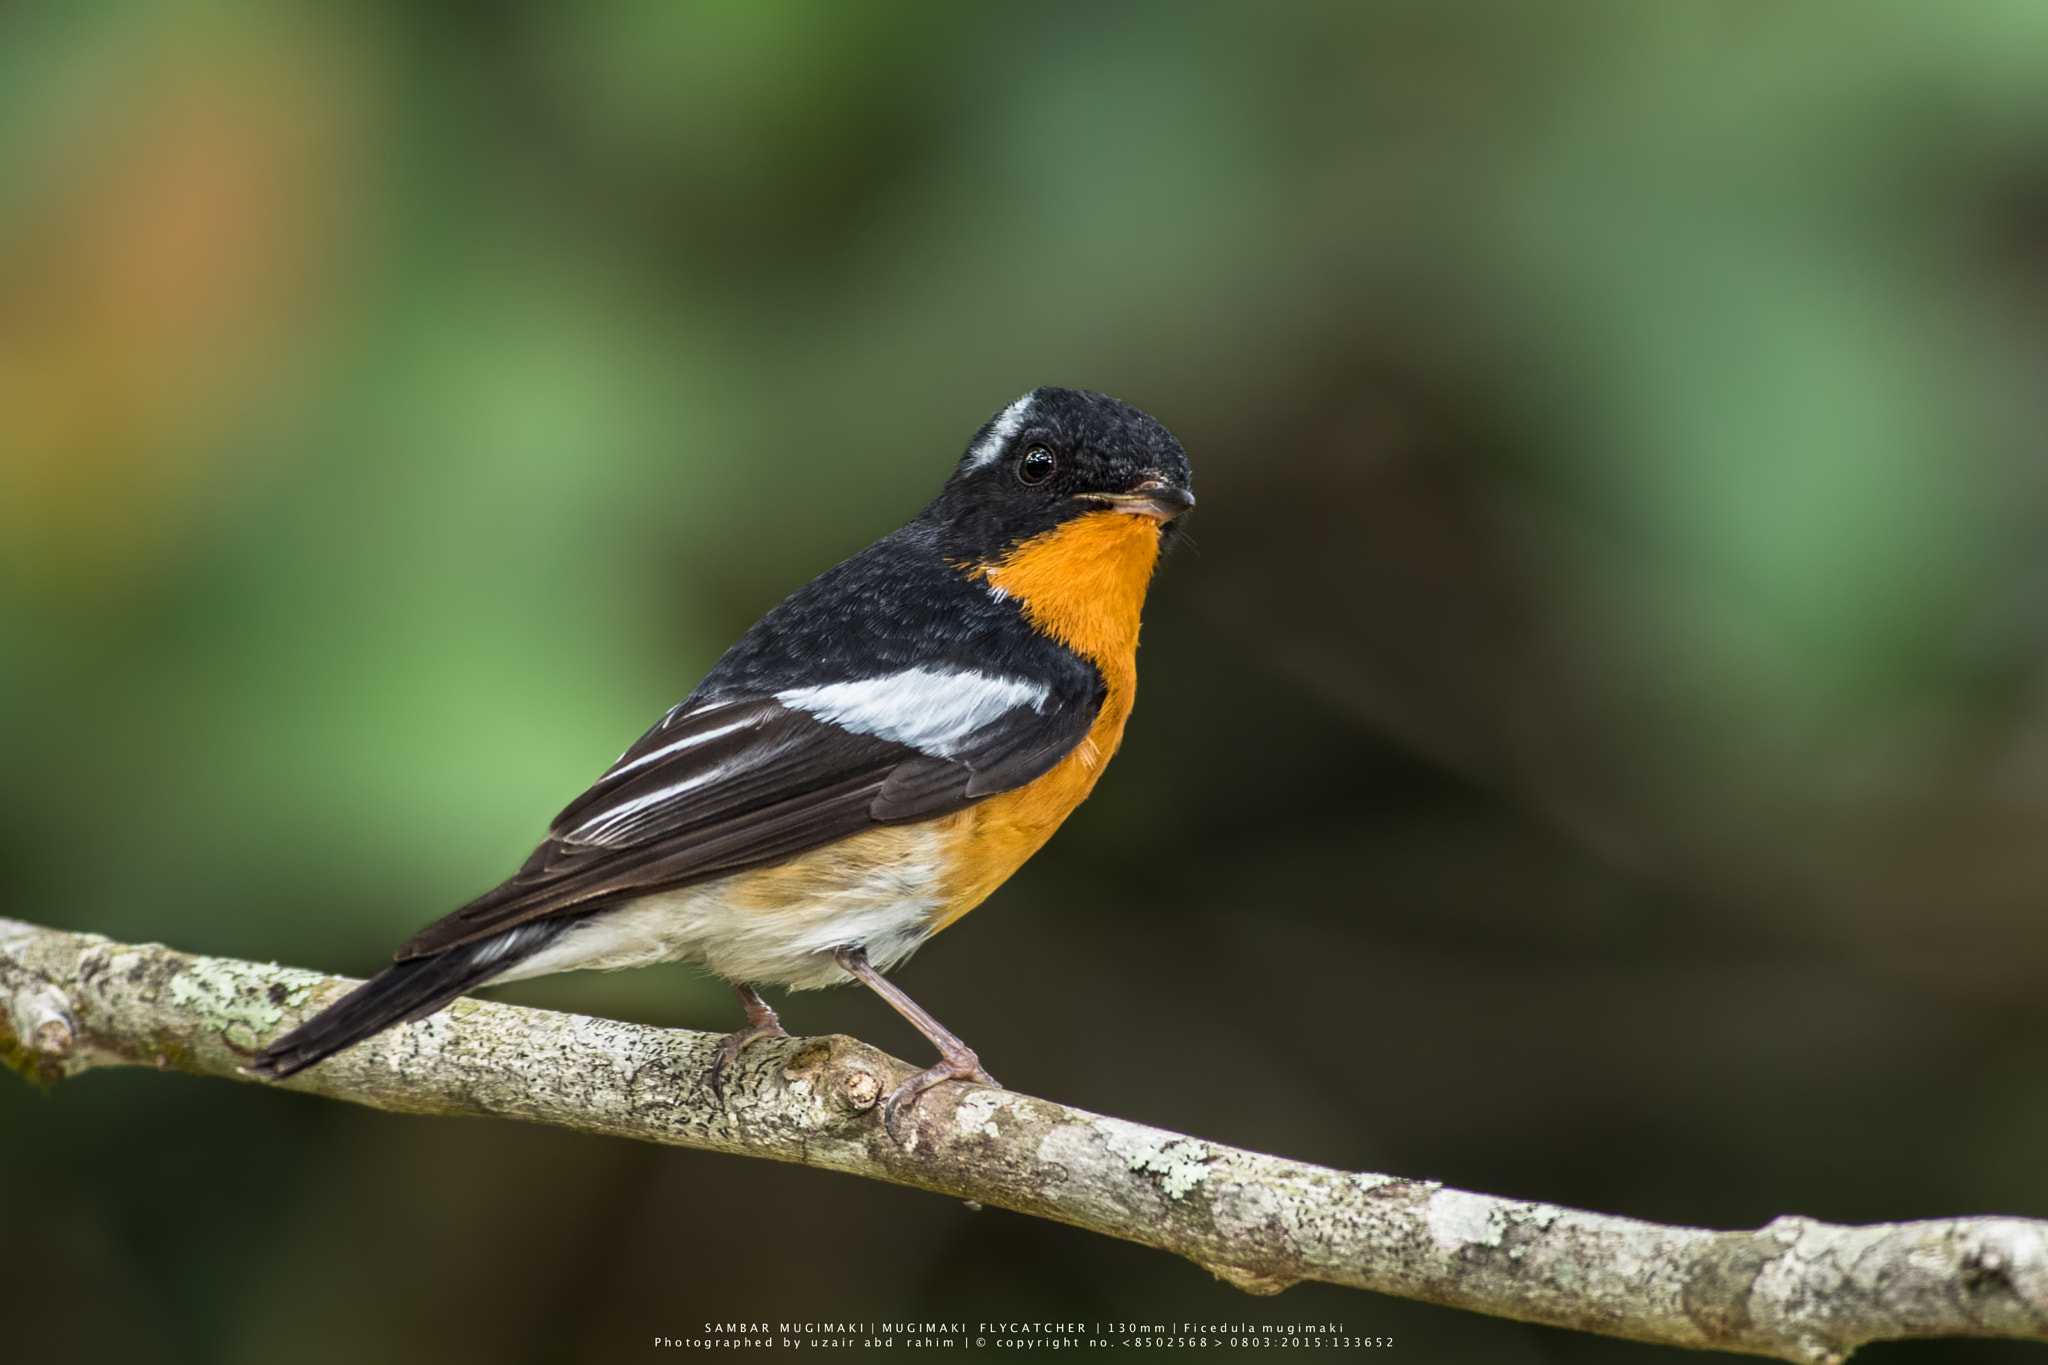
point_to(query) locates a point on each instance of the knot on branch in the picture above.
(42, 1029)
(843, 1072)
(43, 1022)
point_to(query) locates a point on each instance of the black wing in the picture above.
(723, 786)
(890, 688)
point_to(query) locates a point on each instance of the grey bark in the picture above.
(1796, 1289)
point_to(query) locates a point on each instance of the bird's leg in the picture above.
(957, 1060)
(761, 1023)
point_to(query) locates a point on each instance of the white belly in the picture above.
(778, 926)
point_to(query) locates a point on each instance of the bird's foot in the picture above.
(957, 1061)
(955, 1064)
(761, 1023)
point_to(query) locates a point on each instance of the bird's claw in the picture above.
(729, 1052)
(963, 1066)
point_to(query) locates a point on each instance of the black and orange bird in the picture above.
(870, 760)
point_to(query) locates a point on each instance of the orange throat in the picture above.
(1083, 584)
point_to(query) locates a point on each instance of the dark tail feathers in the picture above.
(402, 993)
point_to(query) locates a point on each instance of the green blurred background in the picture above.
(1594, 746)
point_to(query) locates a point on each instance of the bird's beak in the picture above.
(1154, 498)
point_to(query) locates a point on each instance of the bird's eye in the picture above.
(1037, 465)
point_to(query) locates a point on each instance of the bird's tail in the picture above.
(401, 993)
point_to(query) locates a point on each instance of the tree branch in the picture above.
(1796, 1289)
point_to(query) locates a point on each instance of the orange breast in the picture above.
(1082, 583)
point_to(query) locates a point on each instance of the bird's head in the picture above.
(1051, 456)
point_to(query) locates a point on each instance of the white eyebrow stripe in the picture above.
(1007, 424)
(686, 742)
(612, 820)
(932, 710)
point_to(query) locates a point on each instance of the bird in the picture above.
(865, 765)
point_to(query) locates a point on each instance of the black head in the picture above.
(1055, 454)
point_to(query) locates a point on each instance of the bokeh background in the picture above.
(1594, 745)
